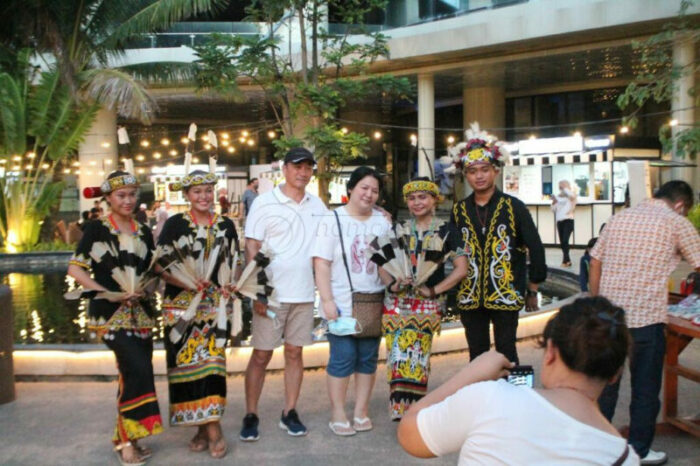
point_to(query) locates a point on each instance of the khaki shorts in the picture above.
(296, 322)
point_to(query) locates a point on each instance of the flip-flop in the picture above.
(199, 443)
(118, 451)
(218, 453)
(362, 424)
(342, 429)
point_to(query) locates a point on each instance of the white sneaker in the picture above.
(654, 457)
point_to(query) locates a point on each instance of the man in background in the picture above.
(249, 195)
(630, 265)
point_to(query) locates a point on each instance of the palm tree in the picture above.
(44, 115)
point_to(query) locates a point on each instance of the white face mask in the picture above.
(343, 326)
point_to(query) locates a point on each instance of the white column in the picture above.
(683, 56)
(97, 154)
(426, 124)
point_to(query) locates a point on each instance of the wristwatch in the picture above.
(529, 292)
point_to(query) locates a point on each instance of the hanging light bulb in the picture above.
(145, 143)
(140, 158)
(344, 130)
(673, 122)
(173, 152)
(31, 155)
(184, 140)
(105, 144)
(377, 135)
(271, 134)
(245, 133)
(141, 170)
(207, 146)
(251, 142)
(108, 162)
(225, 143)
(165, 141)
(450, 139)
(231, 149)
(156, 155)
(224, 135)
(66, 171)
(624, 130)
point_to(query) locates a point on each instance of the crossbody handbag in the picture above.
(366, 307)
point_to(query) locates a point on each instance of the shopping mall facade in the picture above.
(541, 74)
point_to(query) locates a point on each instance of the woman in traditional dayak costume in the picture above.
(124, 320)
(412, 314)
(196, 361)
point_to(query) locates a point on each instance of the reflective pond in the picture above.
(43, 316)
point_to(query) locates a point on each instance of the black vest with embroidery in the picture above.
(496, 276)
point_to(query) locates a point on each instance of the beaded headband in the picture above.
(110, 185)
(421, 185)
(193, 179)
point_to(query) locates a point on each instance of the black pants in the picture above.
(476, 327)
(646, 371)
(565, 228)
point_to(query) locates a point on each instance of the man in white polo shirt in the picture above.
(284, 221)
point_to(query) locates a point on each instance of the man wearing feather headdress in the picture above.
(497, 232)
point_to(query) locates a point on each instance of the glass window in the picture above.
(601, 180)
(621, 180)
(581, 174)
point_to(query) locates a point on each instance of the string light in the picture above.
(28, 167)
(45, 166)
(141, 170)
(76, 164)
(225, 143)
(231, 149)
(173, 152)
(16, 158)
(66, 171)
(224, 135)
(344, 130)
(195, 159)
(16, 167)
(242, 139)
(245, 133)
(105, 144)
(3, 161)
(673, 122)
(532, 136)
(251, 142)
(156, 155)
(93, 163)
(77, 172)
(140, 158)
(624, 130)
(577, 134)
(450, 139)
(184, 140)
(31, 155)
(205, 138)
(413, 138)
(101, 173)
(145, 143)
(108, 162)
(207, 146)
(165, 141)
(271, 134)
(377, 135)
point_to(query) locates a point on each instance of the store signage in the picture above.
(179, 170)
(550, 145)
(597, 143)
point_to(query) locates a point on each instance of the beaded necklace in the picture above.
(134, 227)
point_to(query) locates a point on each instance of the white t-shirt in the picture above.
(499, 423)
(287, 230)
(356, 234)
(564, 208)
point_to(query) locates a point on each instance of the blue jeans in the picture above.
(646, 368)
(350, 355)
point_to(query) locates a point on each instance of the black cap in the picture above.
(299, 154)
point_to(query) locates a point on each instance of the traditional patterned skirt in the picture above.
(196, 366)
(409, 325)
(138, 414)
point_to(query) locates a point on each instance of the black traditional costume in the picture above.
(196, 365)
(125, 329)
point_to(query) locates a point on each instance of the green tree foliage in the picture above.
(658, 78)
(306, 88)
(40, 125)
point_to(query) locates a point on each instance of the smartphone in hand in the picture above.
(522, 375)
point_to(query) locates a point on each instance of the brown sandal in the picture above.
(220, 452)
(199, 442)
(119, 451)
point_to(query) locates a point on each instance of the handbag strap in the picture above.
(621, 460)
(342, 249)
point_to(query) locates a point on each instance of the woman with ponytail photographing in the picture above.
(490, 421)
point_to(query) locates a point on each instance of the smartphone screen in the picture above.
(522, 375)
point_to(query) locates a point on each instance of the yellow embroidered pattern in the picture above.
(469, 294)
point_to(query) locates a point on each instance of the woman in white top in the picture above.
(492, 422)
(563, 205)
(358, 220)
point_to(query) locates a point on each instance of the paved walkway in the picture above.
(68, 423)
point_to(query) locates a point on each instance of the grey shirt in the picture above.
(248, 197)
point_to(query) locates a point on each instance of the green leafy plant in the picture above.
(658, 79)
(305, 90)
